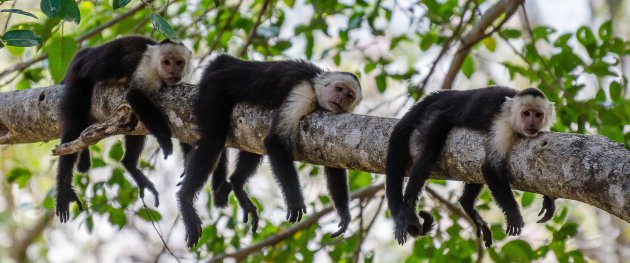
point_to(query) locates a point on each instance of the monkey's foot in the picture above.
(221, 194)
(295, 210)
(482, 229)
(515, 224)
(65, 196)
(145, 183)
(166, 145)
(192, 222)
(406, 222)
(548, 207)
(343, 225)
(247, 206)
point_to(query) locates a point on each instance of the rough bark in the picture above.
(590, 169)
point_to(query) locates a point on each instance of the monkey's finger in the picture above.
(254, 222)
(245, 216)
(343, 226)
(182, 175)
(299, 217)
(542, 210)
(179, 184)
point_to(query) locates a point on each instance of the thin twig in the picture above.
(288, 233)
(227, 24)
(363, 236)
(168, 237)
(6, 24)
(252, 32)
(507, 7)
(157, 231)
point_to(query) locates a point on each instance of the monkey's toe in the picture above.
(343, 224)
(548, 208)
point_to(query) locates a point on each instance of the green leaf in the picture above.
(527, 199)
(117, 217)
(489, 43)
(21, 38)
(19, 176)
(518, 251)
(50, 7)
(18, 11)
(163, 27)
(585, 36)
(616, 91)
(60, 53)
(381, 83)
(70, 11)
(605, 31)
(116, 152)
(510, 33)
(152, 215)
(468, 68)
(119, 3)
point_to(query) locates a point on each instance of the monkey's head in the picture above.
(531, 112)
(338, 91)
(172, 61)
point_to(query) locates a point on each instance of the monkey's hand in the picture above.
(515, 223)
(65, 195)
(482, 229)
(407, 222)
(192, 222)
(549, 206)
(295, 209)
(145, 183)
(343, 225)
(166, 145)
(221, 194)
(247, 206)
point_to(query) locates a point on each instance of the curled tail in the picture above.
(427, 222)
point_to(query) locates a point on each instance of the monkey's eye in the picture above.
(538, 114)
(526, 113)
(179, 62)
(339, 89)
(349, 96)
(166, 62)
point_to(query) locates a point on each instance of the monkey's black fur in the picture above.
(435, 116)
(228, 81)
(112, 61)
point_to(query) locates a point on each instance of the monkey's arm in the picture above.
(496, 176)
(337, 182)
(152, 117)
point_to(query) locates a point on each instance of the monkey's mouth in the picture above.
(335, 107)
(531, 132)
(172, 81)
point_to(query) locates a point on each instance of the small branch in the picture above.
(476, 34)
(6, 24)
(227, 24)
(252, 33)
(85, 36)
(363, 235)
(242, 253)
(121, 121)
(19, 247)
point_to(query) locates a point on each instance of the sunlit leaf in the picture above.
(116, 152)
(527, 199)
(20, 176)
(21, 38)
(60, 51)
(152, 215)
(468, 67)
(117, 217)
(18, 11)
(163, 26)
(489, 43)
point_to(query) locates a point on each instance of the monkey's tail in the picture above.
(427, 222)
(220, 187)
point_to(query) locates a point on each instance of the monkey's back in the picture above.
(113, 60)
(261, 83)
(473, 109)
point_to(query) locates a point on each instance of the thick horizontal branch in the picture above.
(590, 169)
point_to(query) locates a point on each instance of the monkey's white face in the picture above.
(338, 91)
(530, 115)
(173, 63)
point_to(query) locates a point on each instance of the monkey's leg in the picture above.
(220, 187)
(153, 118)
(549, 206)
(435, 135)
(84, 163)
(214, 122)
(281, 159)
(337, 182)
(245, 168)
(495, 175)
(133, 149)
(467, 201)
(186, 148)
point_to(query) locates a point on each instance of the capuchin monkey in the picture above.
(294, 88)
(146, 65)
(504, 113)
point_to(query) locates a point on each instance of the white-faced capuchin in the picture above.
(294, 88)
(506, 114)
(145, 65)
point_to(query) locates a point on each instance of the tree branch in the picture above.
(590, 169)
(477, 33)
